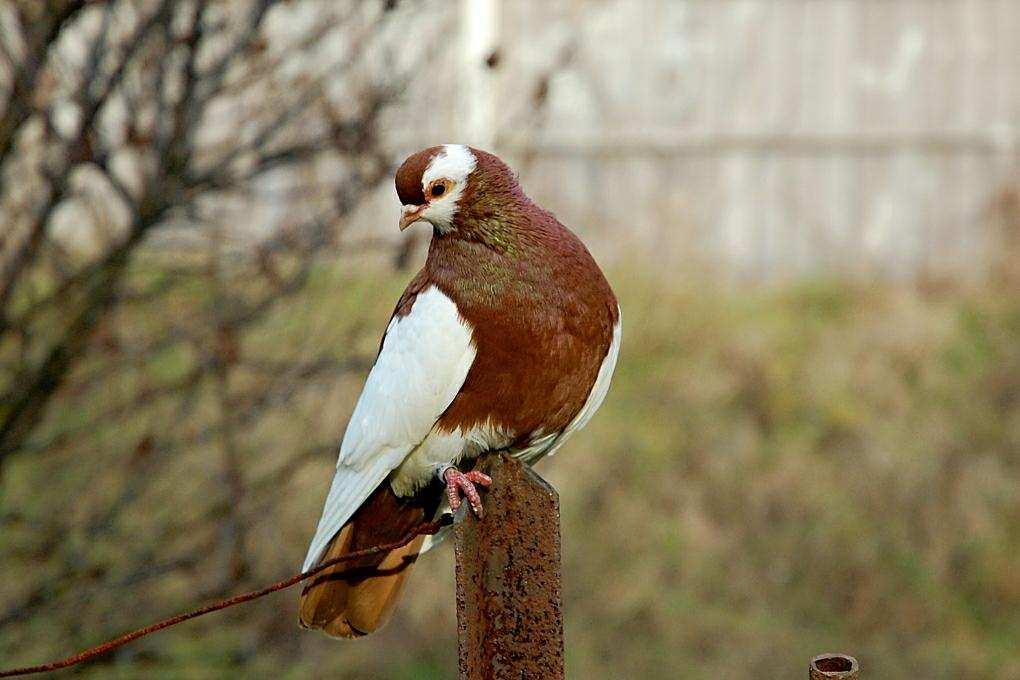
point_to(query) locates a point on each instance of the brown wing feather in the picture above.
(355, 598)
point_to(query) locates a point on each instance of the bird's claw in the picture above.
(457, 482)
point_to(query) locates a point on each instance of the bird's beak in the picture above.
(410, 214)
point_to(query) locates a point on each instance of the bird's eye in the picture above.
(438, 189)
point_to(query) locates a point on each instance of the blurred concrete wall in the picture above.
(762, 137)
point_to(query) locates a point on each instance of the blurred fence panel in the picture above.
(768, 137)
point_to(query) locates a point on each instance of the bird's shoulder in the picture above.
(421, 282)
(416, 287)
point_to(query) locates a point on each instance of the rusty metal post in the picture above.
(509, 609)
(833, 667)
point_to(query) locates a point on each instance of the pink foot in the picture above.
(457, 482)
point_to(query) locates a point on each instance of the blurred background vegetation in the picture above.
(813, 438)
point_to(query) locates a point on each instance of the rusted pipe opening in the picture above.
(838, 666)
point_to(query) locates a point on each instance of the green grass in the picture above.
(777, 472)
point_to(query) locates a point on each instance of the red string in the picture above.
(426, 528)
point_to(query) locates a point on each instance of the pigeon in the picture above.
(505, 340)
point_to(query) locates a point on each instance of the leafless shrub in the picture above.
(175, 174)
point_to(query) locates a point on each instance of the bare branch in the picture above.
(43, 35)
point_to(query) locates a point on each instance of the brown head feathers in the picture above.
(409, 176)
(462, 191)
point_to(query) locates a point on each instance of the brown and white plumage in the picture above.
(506, 339)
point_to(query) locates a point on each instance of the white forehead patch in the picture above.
(455, 162)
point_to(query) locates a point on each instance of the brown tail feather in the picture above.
(352, 599)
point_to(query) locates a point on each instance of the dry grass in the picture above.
(775, 473)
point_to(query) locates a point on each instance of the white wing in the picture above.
(424, 360)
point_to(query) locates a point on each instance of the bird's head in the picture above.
(437, 184)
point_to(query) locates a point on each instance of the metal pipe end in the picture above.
(838, 666)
